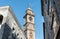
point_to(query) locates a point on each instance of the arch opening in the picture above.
(1, 18)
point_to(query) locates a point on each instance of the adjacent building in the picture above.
(51, 14)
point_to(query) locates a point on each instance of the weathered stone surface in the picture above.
(10, 28)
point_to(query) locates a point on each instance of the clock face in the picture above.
(30, 18)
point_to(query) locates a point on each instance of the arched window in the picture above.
(1, 18)
(13, 28)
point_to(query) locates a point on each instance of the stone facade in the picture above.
(9, 26)
(29, 24)
(50, 12)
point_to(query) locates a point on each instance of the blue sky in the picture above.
(19, 7)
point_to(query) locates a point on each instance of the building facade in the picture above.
(51, 14)
(29, 24)
(10, 27)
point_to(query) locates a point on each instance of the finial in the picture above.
(29, 6)
(28, 3)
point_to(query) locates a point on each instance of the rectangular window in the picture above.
(44, 28)
(52, 21)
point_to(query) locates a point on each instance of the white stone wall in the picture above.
(10, 19)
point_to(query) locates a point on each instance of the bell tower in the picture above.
(29, 24)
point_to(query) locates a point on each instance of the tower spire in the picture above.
(29, 6)
(29, 23)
